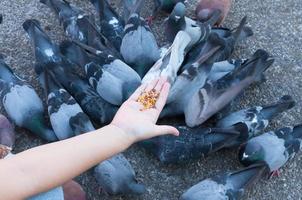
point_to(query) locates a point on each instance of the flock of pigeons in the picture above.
(87, 77)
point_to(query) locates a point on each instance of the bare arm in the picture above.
(42, 168)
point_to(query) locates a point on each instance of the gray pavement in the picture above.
(277, 26)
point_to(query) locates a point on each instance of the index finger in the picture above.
(162, 99)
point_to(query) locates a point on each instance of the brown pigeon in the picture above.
(7, 136)
(73, 191)
(205, 8)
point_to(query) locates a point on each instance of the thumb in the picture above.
(164, 130)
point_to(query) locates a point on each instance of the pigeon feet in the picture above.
(4, 150)
(275, 173)
(73, 191)
(150, 20)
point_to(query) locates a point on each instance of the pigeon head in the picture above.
(178, 12)
(251, 153)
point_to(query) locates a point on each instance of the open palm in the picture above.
(140, 124)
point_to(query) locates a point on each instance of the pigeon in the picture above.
(205, 8)
(257, 118)
(116, 176)
(66, 116)
(140, 39)
(231, 38)
(193, 143)
(178, 21)
(73, 191)
(214, 96)
(113, 79)
(112, 26)
(231, 185)
(7, 136)
(22, 104)
(193, 78)
(274, 148)
(92, 104)
(79, 26)
(169, 64)
(162, 5)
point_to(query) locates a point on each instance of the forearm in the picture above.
(44, 167)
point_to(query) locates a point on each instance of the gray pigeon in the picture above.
(231, 39)
(113, 79)
(116, 176)
(7, 136)
(257, 118)
(231, 185)
(79, 26)
(273, 148)
(214, 96)
(48, 56)
(111, 24)
(170, 63)
(177, 21)
(190, 80)
(193, 143)
(139, 47)
(22, 104)
(66, 116)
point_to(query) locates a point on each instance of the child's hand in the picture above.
(140, 124)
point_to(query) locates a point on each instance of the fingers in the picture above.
(138, 92)
(158, 87)
(164, 130)
(161, 101)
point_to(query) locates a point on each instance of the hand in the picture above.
(140, 124)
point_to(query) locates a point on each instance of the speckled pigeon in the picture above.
(111, 24)
(274, 148)
(193, 143)
(113, 79)
(230, 185)
(79, 26)
(93, 105)
(257, 118)
(214, 96)
(178, 21)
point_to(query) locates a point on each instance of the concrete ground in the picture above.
(277, 25)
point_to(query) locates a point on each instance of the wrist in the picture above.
(122, 134)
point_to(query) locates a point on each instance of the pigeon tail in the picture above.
(253, 68)
(36, 125)
(225, 137)
(50, 83)
(6, 73)
(131, 7)
(244, 178)
(62, 8)
(136, 188)
(285, 103)
(74, 53)
(297, 132)
(240, 29)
